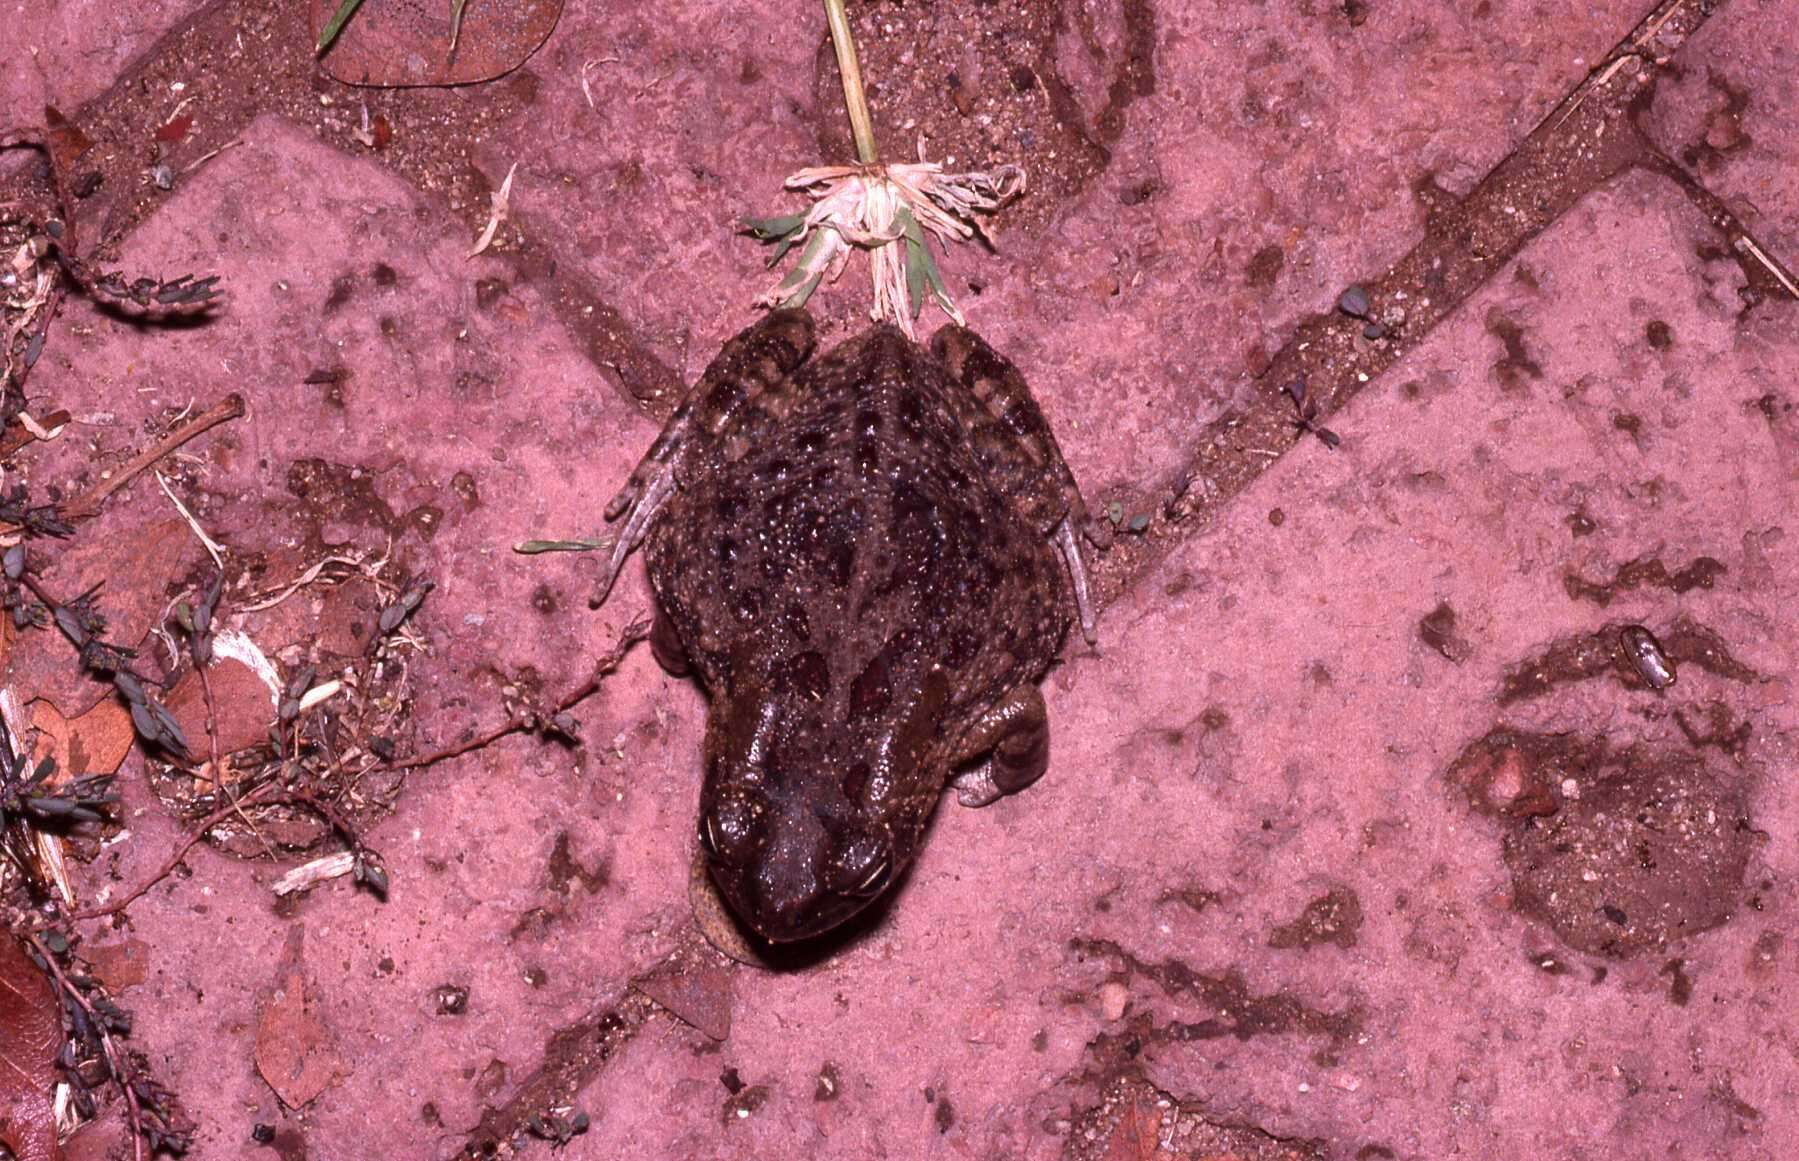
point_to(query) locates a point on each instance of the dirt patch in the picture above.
(1634, 656)
(1238, 1011)
(984, 85)
(1333, 917)
(1619, 852)
(1645, 572)
(1134, 1119)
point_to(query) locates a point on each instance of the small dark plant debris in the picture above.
(1354, 302)
(1308, 414)
(92, 1054)
(82, 624)
(411, 597)
(558, 1128)
(34, 803)
(1437, 629)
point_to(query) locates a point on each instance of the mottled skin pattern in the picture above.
(854, 555)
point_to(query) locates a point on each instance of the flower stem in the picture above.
(860, 126)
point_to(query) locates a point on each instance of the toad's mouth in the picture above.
(785, 896)
(794, 869)
(788, 915)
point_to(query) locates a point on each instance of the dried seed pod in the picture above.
(1647, 657)
(300, 682)
(368, 871)
(48, 806)
(409, 600)
(130, 686)
(72, 624)
(145, 723)
(171, 729)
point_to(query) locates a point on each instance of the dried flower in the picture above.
(884, 209)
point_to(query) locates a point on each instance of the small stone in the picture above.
(1354, 302)
(450, 999)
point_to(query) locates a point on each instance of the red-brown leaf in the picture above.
(295, 1053)
(396, 45)
(30, 1033)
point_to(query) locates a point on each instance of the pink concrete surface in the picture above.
(1260, 726)
(65, 53)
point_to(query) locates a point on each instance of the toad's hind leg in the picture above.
(756, 361)
(1019, 454)
(1014, 737)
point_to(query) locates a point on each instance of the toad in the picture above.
(856, 553)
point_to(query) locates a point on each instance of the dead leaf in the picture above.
(131, 566)
(295, 1053)
(397, 45)
(67, 141)
(1134, 1136)
(30, 1034)
(120, 965)
(692, 989)
(94, 743)
(245, 708)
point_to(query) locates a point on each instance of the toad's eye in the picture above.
(861, 866)
(876, 880)
(728, 831)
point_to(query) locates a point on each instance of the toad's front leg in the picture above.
(1013, 736)
(758, 360)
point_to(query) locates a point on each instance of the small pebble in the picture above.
(1374, 331)
(1113, 998)
(450, 999)
(1354, 302)
(163, 176)
(1139, 522)
(1645, 653)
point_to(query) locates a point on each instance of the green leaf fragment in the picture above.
(804, 278)
(782, 232)
(918, 258)
(921, 265)
(798, 298)
(335, 25)
(456, 8)
(781, 249)
(935, 277)
(582, 544)
(773, 229)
